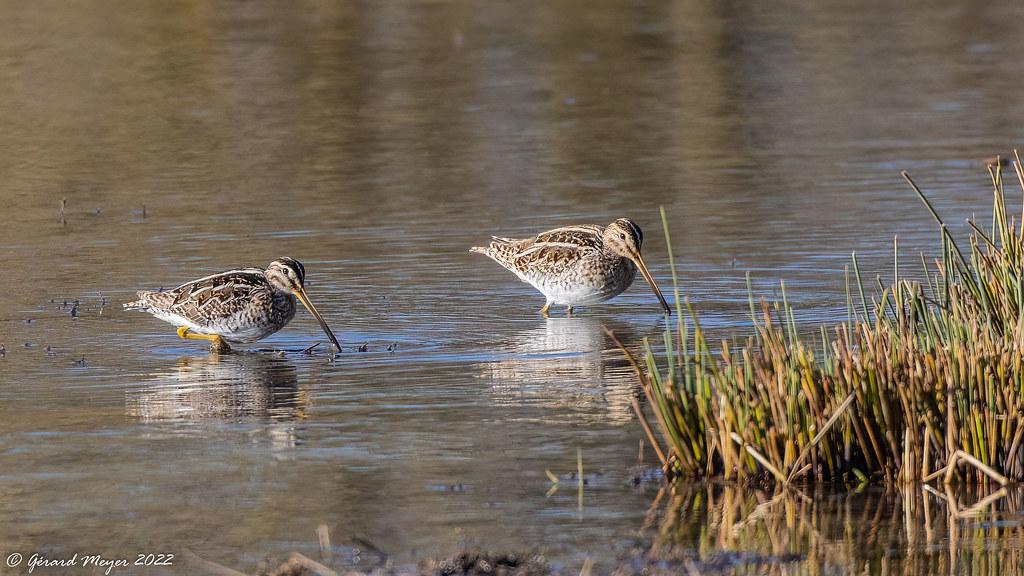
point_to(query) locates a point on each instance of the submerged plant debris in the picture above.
(482, 563)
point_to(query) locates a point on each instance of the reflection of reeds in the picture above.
(925, 382)
(731, 530)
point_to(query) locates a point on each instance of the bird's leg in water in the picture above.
(217, 344)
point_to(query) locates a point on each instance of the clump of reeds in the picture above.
(924, 381)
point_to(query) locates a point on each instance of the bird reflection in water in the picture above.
(235, 387)
(569, 363)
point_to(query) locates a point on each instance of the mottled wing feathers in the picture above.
(547, 252)
(583, 236)
(213, 297)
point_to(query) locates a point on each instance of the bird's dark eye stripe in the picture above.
(637, 233)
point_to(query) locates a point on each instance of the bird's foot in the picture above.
(568, 311)
(217, 344)
(544, 310)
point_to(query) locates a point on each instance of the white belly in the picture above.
(580, 288)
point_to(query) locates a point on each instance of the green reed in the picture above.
(924, 380)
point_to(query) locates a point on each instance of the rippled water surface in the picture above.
(376, 142)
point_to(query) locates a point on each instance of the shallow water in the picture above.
(376, 143)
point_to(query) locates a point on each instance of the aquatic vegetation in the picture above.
(923, 382)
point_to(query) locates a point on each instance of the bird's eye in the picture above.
(623, 236)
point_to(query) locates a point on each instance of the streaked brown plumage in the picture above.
(242, 305)
(574, 265)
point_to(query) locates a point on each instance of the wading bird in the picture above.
(576, 265)
(242, 305)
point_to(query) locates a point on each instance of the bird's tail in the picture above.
(489, 250)
(145, 301)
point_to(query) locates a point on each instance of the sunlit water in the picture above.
(376, 143)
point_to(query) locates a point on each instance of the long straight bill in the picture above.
(639, 260)
(312, 310)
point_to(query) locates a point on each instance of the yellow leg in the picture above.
(544, 310)
(217, 344)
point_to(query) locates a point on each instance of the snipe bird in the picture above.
(576, 265)
(243, 305)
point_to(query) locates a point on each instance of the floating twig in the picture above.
(312, 565)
